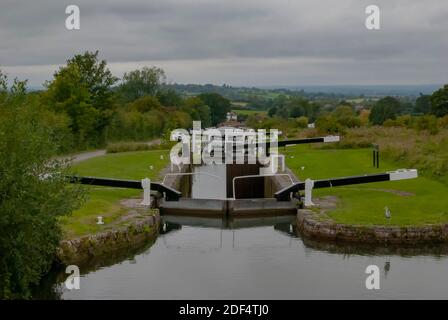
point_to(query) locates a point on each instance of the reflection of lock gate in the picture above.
(220, 246)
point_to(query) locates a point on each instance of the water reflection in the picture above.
(258, 258)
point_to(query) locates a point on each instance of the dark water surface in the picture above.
(257, 259)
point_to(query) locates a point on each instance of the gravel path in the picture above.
(96, 153)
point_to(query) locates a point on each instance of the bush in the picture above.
(33, 196)
(427, 122)
(302, 122)
(329, 124)
(384, 109)
(443, 122)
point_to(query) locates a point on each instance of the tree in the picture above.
(423, 104)
(169, 97)
(139, 83)
(96, 77)
(198, 110)
(439, 102)
(346, 117)
(219, 106)
(82, 90)
(383, 109)
(145, 104)
(272, 111)
(33, 195)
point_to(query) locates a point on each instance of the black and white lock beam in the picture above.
(284, 194)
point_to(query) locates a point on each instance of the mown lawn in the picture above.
(104, 201)
(412, 202)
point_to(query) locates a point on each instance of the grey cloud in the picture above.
(273, 38)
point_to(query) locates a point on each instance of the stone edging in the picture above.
(312, 226)
(81, 250)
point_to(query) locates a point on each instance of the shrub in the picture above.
(329, 124)
(427, 122)
(302, 122)
(443, 122)
(33, 196)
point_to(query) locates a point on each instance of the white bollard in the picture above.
(99, 220)
(146, 185)
(309, 185)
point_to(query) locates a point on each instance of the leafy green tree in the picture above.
(169, 97)
(82, 90)
(219, 106)
(423, 104)
(302, 122)
(346, 117)
(33, 195)
(384, 109)
(272, 111)
(198, 110)
(145, 104)
(282, 112)
(439, 102)
(139, 83)
(96, 77)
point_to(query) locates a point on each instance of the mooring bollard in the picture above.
(146, 185)
(376, 155)
(309, 185)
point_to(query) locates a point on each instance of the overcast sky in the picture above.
(237, 42)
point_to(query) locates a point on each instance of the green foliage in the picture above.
(127, 147)
(439, 102)
(82, 90)
(145, 104)
(137, 126)
(198, 110)
(33, 195)
(96, 77)
(302, 122)
(139, 83)
(219, 106)
(423, 104)
(346, 117)
(272, 111)
(329, 124)
(427, 122)
(385, 108)
(168, 97)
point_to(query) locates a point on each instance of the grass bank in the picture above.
(412, 202)
(105, 201)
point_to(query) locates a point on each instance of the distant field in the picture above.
(359, 100)
(249, 112)
(412, 202)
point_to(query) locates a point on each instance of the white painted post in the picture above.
(146, 184)
(309, 185)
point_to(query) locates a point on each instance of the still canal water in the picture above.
(257, 259)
